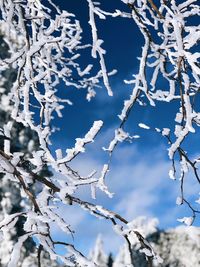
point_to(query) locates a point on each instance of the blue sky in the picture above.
(139, 171)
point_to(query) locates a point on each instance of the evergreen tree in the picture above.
(123, 258)
(97, 255)
(177, 247)
(110, 260)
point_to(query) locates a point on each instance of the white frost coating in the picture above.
(96, 48)
(128, 103)
(187, 220)
(184, 165)
(178, 129)
(9, 221)
(179, 117)
(15, 255)
(157, 130)
(192, 60)
(80, 258)
(140, 226)
(188, 107)
(177, 143)
(7, 147)
(165, 131)
(179, 201)
(81, 142)
(143, 225)
(51, 54)
(85, 71)
(105, 212)
(198, 201)
(128, 1)
(120, 136)
(5, 164)
(172, 175)
(123, 258)
(144, 126)
(66, 190)
(93, 131)
(146, 251)
(101, 182)
(97, 254)
(118, 229)
(135, 136)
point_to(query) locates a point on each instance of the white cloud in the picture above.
(137, 203)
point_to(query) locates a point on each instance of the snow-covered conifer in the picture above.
(97, 254)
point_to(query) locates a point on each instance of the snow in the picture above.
(101, 181)
(96, 48)
(144, 126)
(187, 220)
(165, 131)
(15, 255)
(172, 174)
(46, 48)
(81, 142)
(97, 254)
(179, 201)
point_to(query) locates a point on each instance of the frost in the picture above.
(5, 165)
(172, 174)
(157, 130)
(179, 201)
(123, 258)
(198, 201)
(120, 136)
(144, 126)
(16, 251)
(144, 225)
(97, 255)
(97, 45)
(179, 117)
(118, 229)
(147, 252)
(187, 220)
(81, 142)
(136, 136)
(128, 1)
(165, 131)
(178, 130)
(46, 48)
(101, 182)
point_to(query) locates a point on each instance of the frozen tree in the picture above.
(98, 255)
(45, 261)
(139, 252)
(123, 257)
(48, 52)
(11, 200)
(23, 140)
(173, 245)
